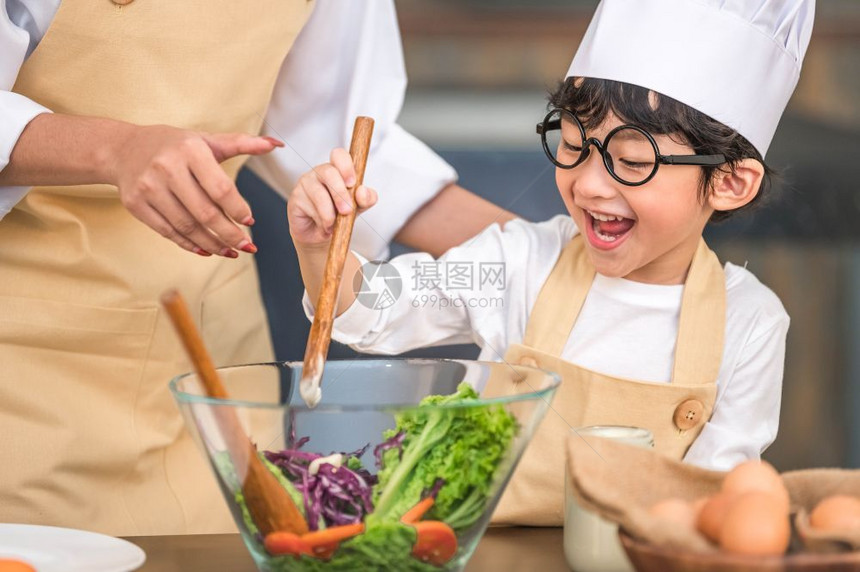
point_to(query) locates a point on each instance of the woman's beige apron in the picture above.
(674, 412)
(91, 437)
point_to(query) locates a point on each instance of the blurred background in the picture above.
(479, 72)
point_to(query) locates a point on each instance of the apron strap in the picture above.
(560, 299)
(701, 326)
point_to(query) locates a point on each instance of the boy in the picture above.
(660, 127)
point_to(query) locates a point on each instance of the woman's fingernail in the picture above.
(201, 252)
(247, 246)
(229, 253)
(249, 221)
(273, 141)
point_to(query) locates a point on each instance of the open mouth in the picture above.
(606, 231)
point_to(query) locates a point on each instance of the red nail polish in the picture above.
(249, 221)
(273, 141)
(250, 248)
(201, 252)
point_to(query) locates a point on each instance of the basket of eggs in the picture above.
(675, 517)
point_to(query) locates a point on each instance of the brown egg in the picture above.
(674, 510)
(837, 512)
(756, 476)
(756, 524)
(698, 504)
(713, 514)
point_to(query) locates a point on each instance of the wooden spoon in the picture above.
(271, 507)
(319, 338)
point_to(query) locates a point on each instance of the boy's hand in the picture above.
(320, 195)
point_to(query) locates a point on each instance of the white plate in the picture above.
(52, 549)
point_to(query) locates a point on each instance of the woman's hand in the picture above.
(171, 180)
(320, 195)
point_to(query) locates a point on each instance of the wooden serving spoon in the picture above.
(319, 338)
(271, 507)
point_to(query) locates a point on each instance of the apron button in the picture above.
(528, 362)
(122, 2)
(689, 414)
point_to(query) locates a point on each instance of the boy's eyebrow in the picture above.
(627, 134)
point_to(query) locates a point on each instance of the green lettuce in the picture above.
(463, 446)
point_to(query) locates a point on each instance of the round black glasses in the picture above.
(629, 153)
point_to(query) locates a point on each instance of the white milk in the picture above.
(590, 543)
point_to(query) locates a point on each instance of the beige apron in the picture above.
(89, 434)
(674, 412)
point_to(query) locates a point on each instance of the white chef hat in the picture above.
(737, 61)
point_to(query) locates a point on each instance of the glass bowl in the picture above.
(382, 454)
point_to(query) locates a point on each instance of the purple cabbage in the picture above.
(395, 440)
(338, 495)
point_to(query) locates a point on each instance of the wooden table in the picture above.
(501, 550)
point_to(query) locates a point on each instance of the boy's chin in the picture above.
(611, 272)
(608, 268)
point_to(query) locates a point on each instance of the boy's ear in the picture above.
(732, 190)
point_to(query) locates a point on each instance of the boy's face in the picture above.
(660, 222)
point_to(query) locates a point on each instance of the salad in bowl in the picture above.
(398, 468)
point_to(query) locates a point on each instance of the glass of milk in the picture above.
(591, 543)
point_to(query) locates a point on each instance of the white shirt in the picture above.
(625, 329)
(347, 61)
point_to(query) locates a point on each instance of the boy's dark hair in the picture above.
(592, 99)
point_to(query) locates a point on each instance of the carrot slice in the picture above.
(436, 542)
(332, 535)
(415, 513)
(282, 543)
(7, 565)
(320, 543)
